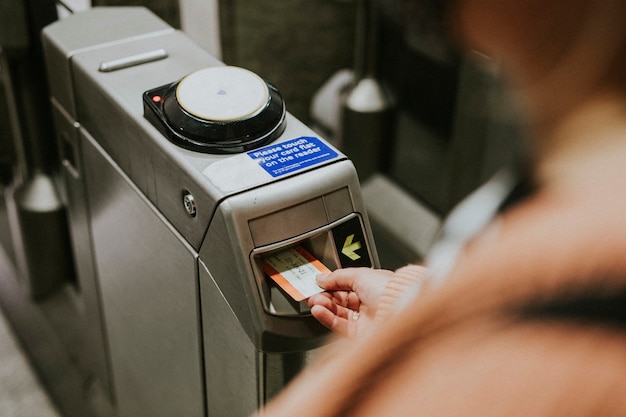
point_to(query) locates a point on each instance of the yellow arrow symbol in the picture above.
(349, 248)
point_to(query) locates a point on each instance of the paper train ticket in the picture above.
(294, 270)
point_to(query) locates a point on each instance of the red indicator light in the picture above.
(157, 99)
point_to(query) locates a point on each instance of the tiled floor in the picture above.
(21, 395)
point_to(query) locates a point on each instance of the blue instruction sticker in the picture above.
(292, 155)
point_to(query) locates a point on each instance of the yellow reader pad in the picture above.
(294, 270)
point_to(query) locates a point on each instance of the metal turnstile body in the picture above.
(168, 242)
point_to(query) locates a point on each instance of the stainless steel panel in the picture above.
(301, 218)
(95, 353)
(338, 204)
(229, 355)
(289, 222)
(100, 26)
(148, 279)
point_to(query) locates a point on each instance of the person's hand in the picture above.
(349, 305)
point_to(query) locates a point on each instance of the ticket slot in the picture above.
(340, 244)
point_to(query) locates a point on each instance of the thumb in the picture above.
(340, 279)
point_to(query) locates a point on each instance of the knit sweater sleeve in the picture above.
(406, 283)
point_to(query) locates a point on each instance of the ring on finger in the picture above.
(355, 315)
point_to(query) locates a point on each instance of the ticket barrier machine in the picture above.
(182, 176)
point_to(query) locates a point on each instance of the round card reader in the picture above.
(221, 109)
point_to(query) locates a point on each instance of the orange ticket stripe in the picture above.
(313, 261)
(282, 282)
(312, 267)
